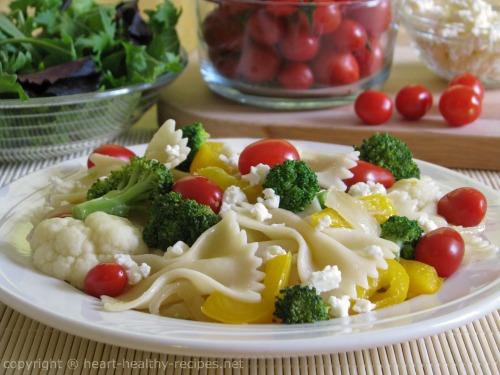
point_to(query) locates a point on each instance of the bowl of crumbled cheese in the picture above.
(453, 37)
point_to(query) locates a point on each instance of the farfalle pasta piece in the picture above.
(331, 168)
(316, 250)
(220, 260)
(167, 146)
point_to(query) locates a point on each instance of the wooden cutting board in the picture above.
(475, 146)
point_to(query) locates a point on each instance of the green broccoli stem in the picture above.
(117, 202)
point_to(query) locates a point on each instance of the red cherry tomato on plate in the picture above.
(116, 151)
(468, 79)
(413, 101)
(442, 248)
(460, 105)
(200, 189)
(365, 171)
(373, 107)
(268, 152)
(296, 76)
(464, 206)
(106, 279)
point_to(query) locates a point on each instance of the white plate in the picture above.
(472, 292)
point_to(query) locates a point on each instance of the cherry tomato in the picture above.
(413, 101)
(116, 151)
(264, 28)
(259, 64)
(374, 18)
(200, 189)
(282, 10)
(326, 18)
(334, 68)
(223, 32)
(373, 107)
(464, 206)
(349, 36)
(370, 58)
(268, 152)
(468, 79)
(296, 76)
(298, 44)
(365, 171)
(106, 279)
(442, 248)
(460, 105)
(225, 62)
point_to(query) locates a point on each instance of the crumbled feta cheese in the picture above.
(257, 174)
(260, 212)
(234, 196)
(363, 189)
(425, 222)
(271, 199)
(363, 305)
(271, 252)
(373, 251)
(177, 250)
(339, 307)
(324, 223)
(325, 280)
(229, 156)
(135, 272)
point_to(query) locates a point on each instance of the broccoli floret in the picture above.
(295, 183)
(404, 232)
(390, 153)
(175, 219)
(300, 304)
(130, 187)
(197, 136)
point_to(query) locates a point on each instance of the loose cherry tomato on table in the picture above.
(468, 79)
(113, 150)
(464, 206)
(442, 248)
(266, 151)
(365, 171)
(106, 279)
(200, 189)
(460, 105)
(373, 107)
(413, 101)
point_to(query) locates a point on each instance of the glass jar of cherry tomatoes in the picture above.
(295, 54)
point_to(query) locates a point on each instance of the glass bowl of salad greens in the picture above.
(76, 75)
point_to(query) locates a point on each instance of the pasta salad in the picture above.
(269, 233)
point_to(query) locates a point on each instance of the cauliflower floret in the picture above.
(67, 248)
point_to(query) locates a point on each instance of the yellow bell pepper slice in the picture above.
(209, 156)
(390, 288)
(224, 309)
(337, 220)
(379, 206)
(423, 278)
(221, 177)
